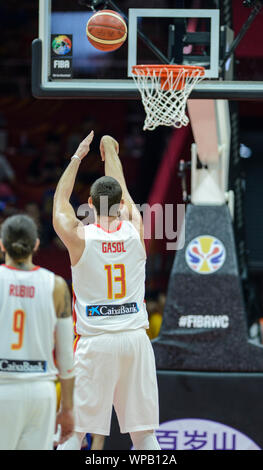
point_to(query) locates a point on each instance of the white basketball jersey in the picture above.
(27, 324)
(109, 281)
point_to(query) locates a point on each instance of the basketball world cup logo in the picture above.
(61, 44)
(205, 254)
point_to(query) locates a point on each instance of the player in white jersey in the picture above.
(36, 344)
(114, 360)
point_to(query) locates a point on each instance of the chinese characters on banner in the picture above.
(200, 434)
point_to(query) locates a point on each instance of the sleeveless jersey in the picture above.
(109, 282)
(27, 324)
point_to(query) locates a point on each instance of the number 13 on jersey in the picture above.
(120, 278)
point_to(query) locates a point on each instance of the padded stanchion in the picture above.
(204, 325)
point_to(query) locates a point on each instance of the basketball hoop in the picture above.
(164, 90)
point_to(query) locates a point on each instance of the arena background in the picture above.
(37, 137)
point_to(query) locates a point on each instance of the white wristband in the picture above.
(64, 347)
(76, 157)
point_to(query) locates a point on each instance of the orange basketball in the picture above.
(106, 30)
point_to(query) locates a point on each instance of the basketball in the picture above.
(106, 30)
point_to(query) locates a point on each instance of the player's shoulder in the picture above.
(61, 288)
(44, 271)
(130, 229)
(90, 227)
(60, 282)
(2, 270)
(45, 276)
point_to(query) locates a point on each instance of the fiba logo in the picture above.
(205, 254)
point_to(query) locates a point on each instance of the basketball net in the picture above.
(164, 91)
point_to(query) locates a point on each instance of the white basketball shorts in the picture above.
(28, 415)
(115, 369)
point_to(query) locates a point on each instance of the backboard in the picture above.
(159, 31)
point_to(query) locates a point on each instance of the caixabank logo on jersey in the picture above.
(111, 310)
(205, 254)
(202, 434)
(15, 365)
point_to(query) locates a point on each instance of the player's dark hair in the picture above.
(19, 235)
(106, 195)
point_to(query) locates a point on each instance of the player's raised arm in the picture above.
(65, 222)
(109, 149)
(64, 356)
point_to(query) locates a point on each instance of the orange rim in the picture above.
(163, 70)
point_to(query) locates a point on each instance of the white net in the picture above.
(164, 104)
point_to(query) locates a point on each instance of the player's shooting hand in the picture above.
(84, 146)
(107, 142)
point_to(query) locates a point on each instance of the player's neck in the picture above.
(24, 264)
(108, 223)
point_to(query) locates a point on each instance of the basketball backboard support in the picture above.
(96, 74)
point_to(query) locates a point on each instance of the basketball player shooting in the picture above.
(35, 321)
(114, 359)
